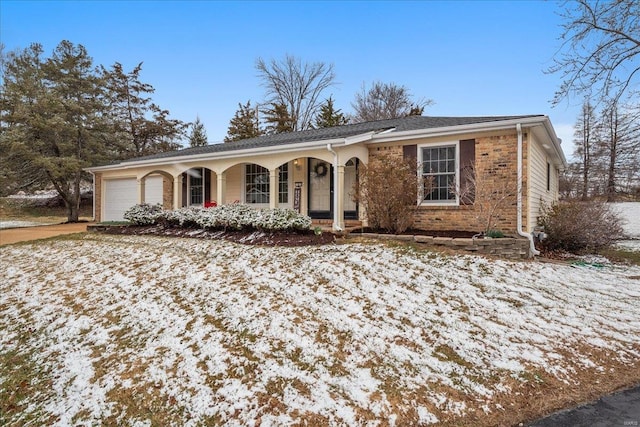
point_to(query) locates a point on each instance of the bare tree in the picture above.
(490, 192)
(386, 101)
(584, 140)
(296, 85)
(619, 145)
(600, 51)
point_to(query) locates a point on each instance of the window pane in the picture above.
(257, 184)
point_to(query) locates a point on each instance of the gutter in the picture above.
(532, 247)
(336, 214)
(93, 187)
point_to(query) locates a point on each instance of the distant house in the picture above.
(314, 170)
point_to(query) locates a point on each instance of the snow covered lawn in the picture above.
(133, 330)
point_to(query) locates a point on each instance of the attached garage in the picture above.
(121, 194)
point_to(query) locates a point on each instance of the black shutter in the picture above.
(207, 184)
(467, 165)
(410, 152)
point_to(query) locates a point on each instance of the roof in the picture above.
(391, 125)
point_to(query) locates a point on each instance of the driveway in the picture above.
(14, 235)
(619, 409)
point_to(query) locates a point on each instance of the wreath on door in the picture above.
(320, 169)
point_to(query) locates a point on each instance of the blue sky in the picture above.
(471, 58)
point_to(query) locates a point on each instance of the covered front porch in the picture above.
(319, 184)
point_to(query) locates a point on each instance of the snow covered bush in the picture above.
(187, 217)
(143, 214)
(234, 217)
(576, 226)
(229, 217)
(280, 219)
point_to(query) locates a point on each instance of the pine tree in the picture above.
(278, 120)
(329, 116)
(54, 118)
(140, 126)
(244, 124)
(198, 136)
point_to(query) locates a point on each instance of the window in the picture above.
(283, 184)
(548, 176)
(196, 188)
(439, 170)
(257, 184)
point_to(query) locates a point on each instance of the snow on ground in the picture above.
(630, 211)
(215, 332)
(19, 224)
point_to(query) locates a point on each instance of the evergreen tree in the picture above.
(198, 136)
(53, 112)
(244, 124)
(141, 127)
(329, 116)
(278, 120)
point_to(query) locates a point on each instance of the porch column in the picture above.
(177, 192)
(141, 182)
(274, 188)
(339, 207)
(221, 195)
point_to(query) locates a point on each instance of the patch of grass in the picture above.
(23, 383)
(16, 209)
(446, 354)
(621, 256)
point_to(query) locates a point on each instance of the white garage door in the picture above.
(121, 194)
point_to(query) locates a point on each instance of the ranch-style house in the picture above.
(314, 171)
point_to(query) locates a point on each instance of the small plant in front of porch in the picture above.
(388, 189)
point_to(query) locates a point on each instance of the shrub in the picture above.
(388, 189)
(281, 219)
(143, 214)
(187, 217)
(225, 217)
(577, 226)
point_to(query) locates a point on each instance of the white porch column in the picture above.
(177, 192)
(141, 182)
(274, 188)
(339, 189)
(221, 188)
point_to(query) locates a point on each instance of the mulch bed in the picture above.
(251, 237)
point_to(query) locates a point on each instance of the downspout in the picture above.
(93, 176)
(532, 247)
(336, 219)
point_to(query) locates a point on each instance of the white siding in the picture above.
(538, 193)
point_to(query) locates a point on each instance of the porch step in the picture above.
(326, 224)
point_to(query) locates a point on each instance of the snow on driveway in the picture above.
(243, 335)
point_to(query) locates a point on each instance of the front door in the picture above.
(320, 189)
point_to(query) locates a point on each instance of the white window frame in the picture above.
(456, 202)
(266, 205)
(202, 172)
